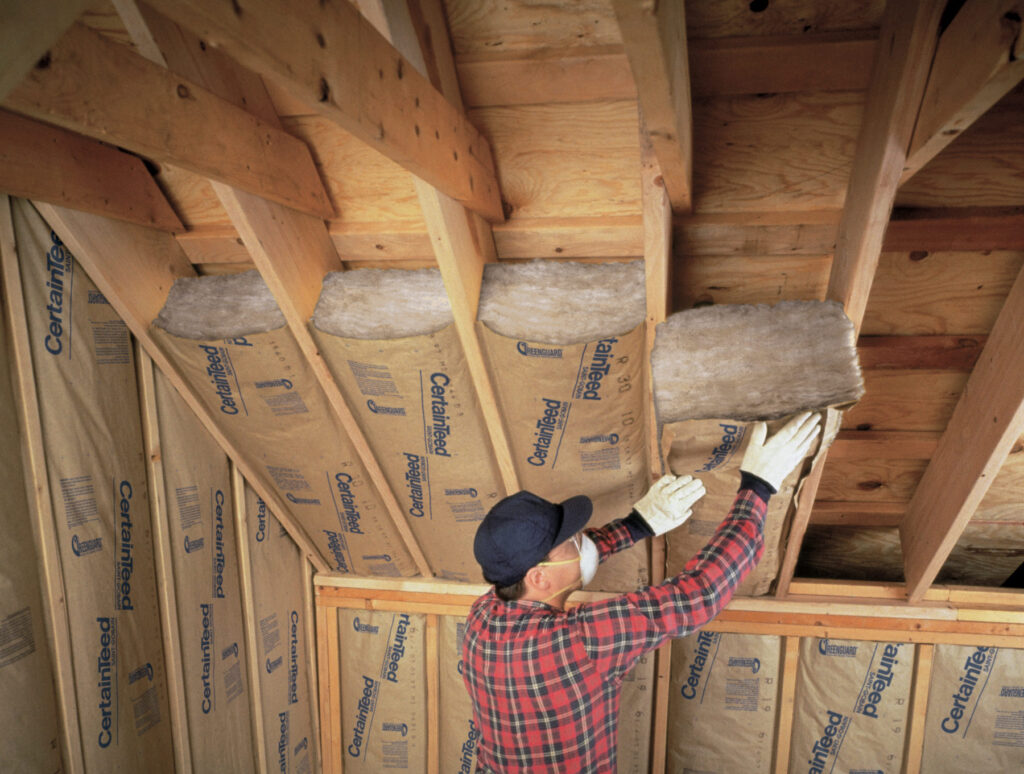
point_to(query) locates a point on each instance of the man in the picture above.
(545, 682)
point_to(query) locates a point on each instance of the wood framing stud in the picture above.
(988, 419)
(787, 702)
(979, 59)
(332, 59)
(906, 44)
(919, 690)
(654, 35)
(167, 119)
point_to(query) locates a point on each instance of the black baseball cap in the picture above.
(519, 531)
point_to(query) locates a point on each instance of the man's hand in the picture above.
(773, 460)
(669, 502)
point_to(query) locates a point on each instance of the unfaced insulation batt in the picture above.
(202, 536)
(92, 434)
(278, 572)
(383, 691)
(722, 704)
(29, 740)
(565, 348)
(225, 334)
(718, 369)
(975, 719)
(850, 708)
(389, 340)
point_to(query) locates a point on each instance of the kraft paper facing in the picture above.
(723, 703)
(712, 450)
(975, 719)
(92, 434)
(278, 579)
(459, 734)
(29, 740)
(851, 704)
(576, 418)
(266, 399)
(204, 555)
(415, 402)
(383, 691)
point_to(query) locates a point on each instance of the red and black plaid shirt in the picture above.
(545, 683)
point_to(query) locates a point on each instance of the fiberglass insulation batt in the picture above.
(92, 436)
(389, 339)
(717, 370)
(279, 578)
(29, 739)
(723, 703)
(229, 339)
(565, 348)
(851, 704)
(204, 558)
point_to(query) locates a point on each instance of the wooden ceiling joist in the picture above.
(655, 41)
(902, 58)
(293, 253)
(38, 161)
(841, 513)
(134, 267)
(82, 87)
(988, 419)
(29, 28)
(333, 60)
(980, 57)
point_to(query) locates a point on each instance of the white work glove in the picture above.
(669, 502)
(773, 460)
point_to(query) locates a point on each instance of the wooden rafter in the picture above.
(987, 420)
(29, 28)
(167, 119)
(134, 267)
(332, 59)
(980, 57)
(292, 251)
(38, 161)
(655, 41)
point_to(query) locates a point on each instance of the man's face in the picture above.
(567, 554)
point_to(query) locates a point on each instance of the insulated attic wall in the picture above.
(30, 738)
(200, 524)
(389, 340)
(564, 344)
(229, 339)
(89, 413)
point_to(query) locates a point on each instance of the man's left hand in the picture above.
(669, 502)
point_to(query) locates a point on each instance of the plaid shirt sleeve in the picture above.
(619, 631)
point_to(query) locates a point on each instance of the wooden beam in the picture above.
(980, 57)
(856, 514)
(787, 703)
(135, 267)
(903, 57)
(930, 353)
(167, 586)
(166, 118)
(462, 242)
(965, 229)
(798, 527)
(432, 651)
(987, 420)
(312, 663)
(918, 711)
(40, 503)
(655, 39)
(883, 445)
(329, 57)
(38, 161)
(29, 28)
(325, 617)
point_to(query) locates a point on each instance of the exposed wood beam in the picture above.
(655, 41)
(329, 57)
(292, 251)
(166, 118)
(988, 419)
(29, 28)
(134, 267)
(917, 715)
(937, 353)
(38, 161)
(883, 445)
(790, 664)
(906, 44)
(847, 514)
(968, 229)
(980, 57)
(462, 242)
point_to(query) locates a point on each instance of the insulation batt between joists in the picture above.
(255, 380)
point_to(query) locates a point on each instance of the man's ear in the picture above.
(536, 578)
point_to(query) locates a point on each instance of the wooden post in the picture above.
(787, 703)
(916, 714)
(432, 658)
